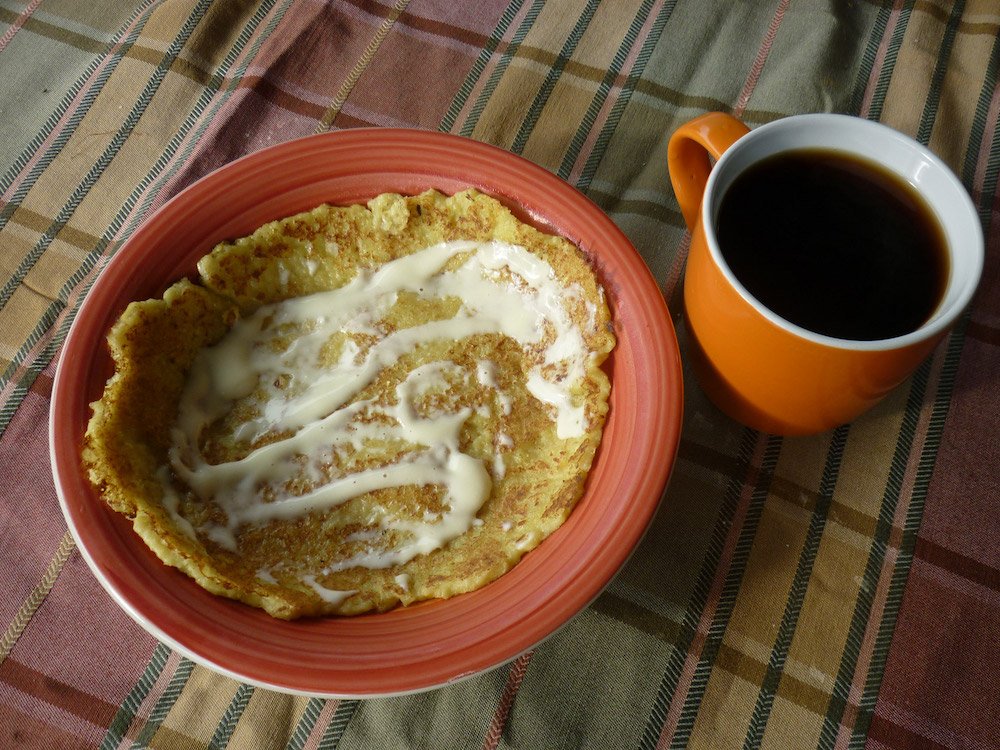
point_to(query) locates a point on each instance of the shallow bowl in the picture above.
(432, 643)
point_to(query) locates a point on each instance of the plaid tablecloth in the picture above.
(836, 591)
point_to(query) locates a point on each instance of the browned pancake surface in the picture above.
(283, 565)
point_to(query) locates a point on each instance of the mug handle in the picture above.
(687, 157)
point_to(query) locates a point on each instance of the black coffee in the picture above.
(834, 244)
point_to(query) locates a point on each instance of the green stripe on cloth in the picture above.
(944, 54)
(94, 258)
(227, 724)
(978, 130)
(123, 719)
(505, 58)
(305, 724)
(869, 56)
(95, 171)
(545, 91)
(133, 27)
(730, 589)
(604, 89)
(797, 593)
(488, 50)
(846, 674)
(889, 64)
(699, 595)
(991, 172)
(632, 82)
(991, 177)
(338, 724)
(627, 203)
(636, 616)
(165, 702)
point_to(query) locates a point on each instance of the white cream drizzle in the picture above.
(221, 535)
(501, 288)
(327, 595)
(265, 575)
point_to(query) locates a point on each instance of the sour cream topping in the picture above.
(274, 357)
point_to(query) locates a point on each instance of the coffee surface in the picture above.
(835, 244)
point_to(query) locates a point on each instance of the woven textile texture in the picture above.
(835, 591)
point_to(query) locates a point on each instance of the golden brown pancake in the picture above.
(357, 407)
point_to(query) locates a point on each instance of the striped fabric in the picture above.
(837, 591)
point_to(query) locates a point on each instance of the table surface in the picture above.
(841, 590)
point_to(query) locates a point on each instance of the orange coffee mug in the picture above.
(760, 368)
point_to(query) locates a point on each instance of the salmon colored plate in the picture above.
(432, 643)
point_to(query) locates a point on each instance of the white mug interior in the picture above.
(943, 193)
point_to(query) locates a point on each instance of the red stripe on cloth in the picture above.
(41, 386)
(957, 563)
(326, 715)
(113, 51)
(714, 596)
(451, 22)
(25, 732)
(56, 693)
(597, 127)
(986, 333)
(514, 679)
(347, 120)
(18, 23)
(992, 115)
(891, 736)
(267, 87)
(758, 64)
(883, 49)
(937, 682)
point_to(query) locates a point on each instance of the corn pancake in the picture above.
(472, 344)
